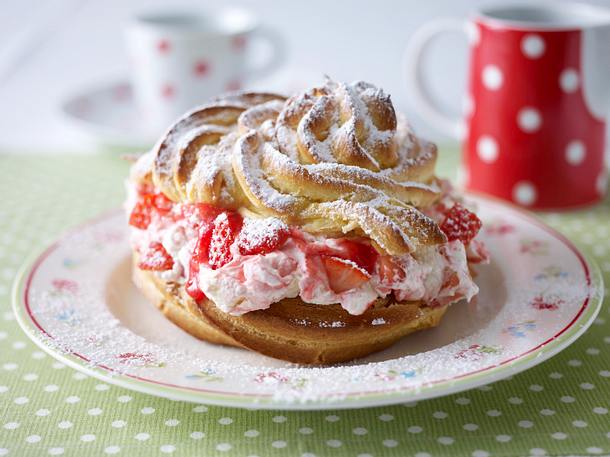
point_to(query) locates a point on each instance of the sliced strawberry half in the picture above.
(140, 216)
(363, 255)
(343, 274)
(199, 214)
(226, 229)
(155, 258)
(261, 236)
(460, 224)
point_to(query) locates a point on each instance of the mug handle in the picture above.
(278, 54)
(430, 111)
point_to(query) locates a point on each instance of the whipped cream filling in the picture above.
(437, 275)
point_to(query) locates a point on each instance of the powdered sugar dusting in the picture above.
(76, 304)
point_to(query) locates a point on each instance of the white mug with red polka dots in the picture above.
(182, 59)
(537, 102)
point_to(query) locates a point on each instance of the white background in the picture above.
(75, 45)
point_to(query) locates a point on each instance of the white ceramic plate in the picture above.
(537, 296)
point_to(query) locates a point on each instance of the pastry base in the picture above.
(291, 329)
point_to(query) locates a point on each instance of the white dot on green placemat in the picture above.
(574, 363)
(32, 439)
(3, 335)
(479, 453)
(38, 355)
(56, 451)
(332, 418)
(17, 345)
(494, 413)
(547, 412)
(390, 443)
(79, 376)
(124, 399)
(279, 444)
(586, 386)
(223, 447)
(30, 377)
(470, 427)
(72, 399)
(410, 404)
(279, 419)
(94, 411)
(360, 431)
(3, 389)
(537, 451)
(579, 423)
(174, 422)
(21, 400)
(386, 417)
(567, 399)
(305, 431)
(10, 366)
(594, 450)
(422, 454)
(559, 436)
(118, 423)
(58, 365)
(142, 436)
(200, 409)
(112, 449)
(605, 373)
(515, 400)
(51, 388)
(309, 454)
(485, 388)
(11, 425)
(536, 388)
(87, 438)
(101, 387)
(334, 443)
(555, 375)
(197, 435)
(445, 440)
(592, 351)
(65, 424)
(3, 451)
(147, 410)
(221, 421)
(503, 438)
(42, 412)
(167, 448)
(525, 424)
(251, 433)
(440, 415)
(462, 401)
(415, 429)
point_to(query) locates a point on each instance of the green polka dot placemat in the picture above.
(559, 408)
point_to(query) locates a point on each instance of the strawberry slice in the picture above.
(148, 204)
(156, 258)
(261, 236)
(140, 216)
(344, 275)
(199, 214)
(389, 271)
(226, 229)
(460, 224)
(363, 255)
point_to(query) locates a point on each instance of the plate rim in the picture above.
(486, 375)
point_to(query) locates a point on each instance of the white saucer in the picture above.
(109, 115)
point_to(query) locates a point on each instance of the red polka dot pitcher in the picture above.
(537, 102)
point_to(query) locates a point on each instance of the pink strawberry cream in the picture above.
(244, 263)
